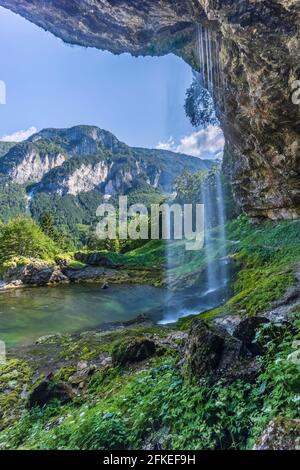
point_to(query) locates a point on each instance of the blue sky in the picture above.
(52, 84)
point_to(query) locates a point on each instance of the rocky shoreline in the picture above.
(39, 274)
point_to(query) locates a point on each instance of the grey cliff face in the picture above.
(86, 158)
(34, 166)
(258, 46)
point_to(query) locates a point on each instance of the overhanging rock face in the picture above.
(259, 50)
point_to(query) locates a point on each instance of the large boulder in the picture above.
(203, 349)
(134, 350)
(47, 391)
(211, 351)
(35, 273)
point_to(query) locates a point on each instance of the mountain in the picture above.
(83, 158)
(5, 147)
(69, 172)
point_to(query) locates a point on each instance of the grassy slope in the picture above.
(150, 255)
(268, 256)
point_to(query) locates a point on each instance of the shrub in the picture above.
(22, 237)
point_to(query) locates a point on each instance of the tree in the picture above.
(199, 105)
(47, 225)
(22, 237)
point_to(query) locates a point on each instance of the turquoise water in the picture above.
(28, 314)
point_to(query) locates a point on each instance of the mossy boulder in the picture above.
(133, 350)
(203, 349)
(211, 351)
(47, 391)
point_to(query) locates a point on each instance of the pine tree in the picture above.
(48, 227)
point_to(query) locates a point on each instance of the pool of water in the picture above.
(27, 314)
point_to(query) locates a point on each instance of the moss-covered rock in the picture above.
(47, 391)
(211, 352)
(134, 350)
(15, 379)
(280, 434)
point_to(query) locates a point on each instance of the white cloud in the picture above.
(19, 136)
(207, 143)
(169, 145)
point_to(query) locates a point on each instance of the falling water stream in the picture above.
(214, 287)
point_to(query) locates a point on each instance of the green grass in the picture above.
(150, 255)
(268, 256)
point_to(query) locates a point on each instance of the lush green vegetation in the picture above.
(71, 215)
(126, 407)
(5, 147)
(23, 238)
(267, 256)
(13, 201)
(150, 255)
(199, 105)
(122, 409)
(86, 145)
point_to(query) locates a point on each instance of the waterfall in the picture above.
(222, 230)
(212, 289)
(217, 275)
(211, 71)
(208, 242)
(29, 196)
(214, 280)
(208, 51)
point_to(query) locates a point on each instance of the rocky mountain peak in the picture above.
(84, 158)
(80, 140)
